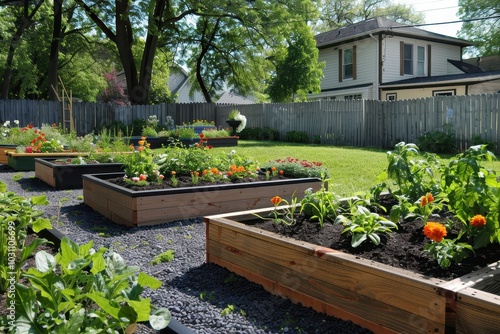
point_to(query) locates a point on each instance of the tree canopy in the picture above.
(481, 25)
(265, 48)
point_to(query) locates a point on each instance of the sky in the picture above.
(437, 11)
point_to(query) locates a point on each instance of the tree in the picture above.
(339, 13)
(24, 19)
(297, 69)
(481, 25)
(231, 49)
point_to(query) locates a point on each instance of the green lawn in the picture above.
(351, 169)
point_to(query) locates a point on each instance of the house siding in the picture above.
(366, 72)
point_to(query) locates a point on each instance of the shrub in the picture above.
(297, 137)
(259, 134)
(438, 141)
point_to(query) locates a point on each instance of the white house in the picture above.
(179, 84)
(383, 60)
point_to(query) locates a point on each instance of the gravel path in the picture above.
(195, 292)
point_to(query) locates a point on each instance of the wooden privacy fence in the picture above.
(362, 123)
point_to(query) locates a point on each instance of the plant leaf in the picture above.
(41, 224)
(160, 318)
(146, 280)
(39, 200)
(44, 261)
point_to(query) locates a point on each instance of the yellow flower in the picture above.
(478, 221)
(435, 231)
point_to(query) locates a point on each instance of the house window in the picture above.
(408, 59)
(420, 61)
(348, 64)
(391, 97)
(449, 92)
(352, 97)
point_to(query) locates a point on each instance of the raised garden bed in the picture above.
(151, 207)
(376, 296)
(69, 176)
(26, 161)
(159, 142)
(4, 159)
(214, 142)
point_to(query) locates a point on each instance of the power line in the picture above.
(449, 22)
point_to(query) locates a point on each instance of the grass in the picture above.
(351, 169)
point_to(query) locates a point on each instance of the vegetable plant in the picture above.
(83, 290)
(17, 215)
(363, 224)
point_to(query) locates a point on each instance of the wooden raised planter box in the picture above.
(26, 161)
(478, 301)
(376, 296)
(70, 176)
(4, 159)
(151, 207)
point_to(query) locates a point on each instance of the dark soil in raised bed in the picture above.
(403, 248)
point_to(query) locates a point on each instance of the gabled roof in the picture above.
(466, 78)
(376, 25)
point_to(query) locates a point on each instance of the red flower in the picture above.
(478, 221)
(202, 135)
(435, 231)
(29, 149)
(428, 198)
(276, 200)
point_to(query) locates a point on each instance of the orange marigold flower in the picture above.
(435, 231)
(141, 142)
(141, 148)
(273, 168)
(428, 198)
(276, 200)
(173, 172)
(478, 221)
(143, 138)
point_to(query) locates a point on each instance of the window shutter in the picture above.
(401, 58)
(354, 62)
(340, 65)
(429, 60)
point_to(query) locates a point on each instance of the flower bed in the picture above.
(69, 176)
(151, 207)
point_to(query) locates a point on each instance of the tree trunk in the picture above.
(54, 50)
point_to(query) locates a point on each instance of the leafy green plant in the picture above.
(17, 215)
(412, 172)
(167, 256)
(322, 205)
(140, 166)
(364, 225)
(438, 141)
(472, 189)
(85, 290)
(297, 137)
(228, 310)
